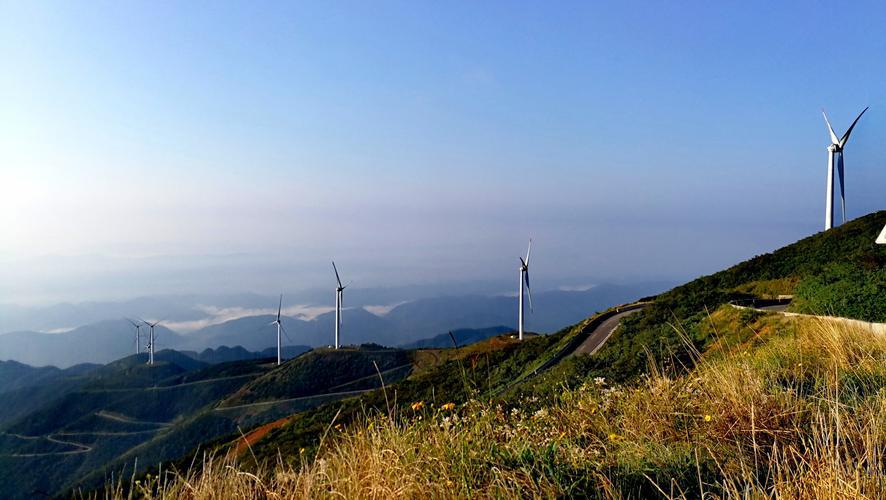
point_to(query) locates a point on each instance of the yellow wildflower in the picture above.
(418, 405)
(707, 418)
(448, 406)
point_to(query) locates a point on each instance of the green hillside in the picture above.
(320, 371)
(795, 269)
(689, 396)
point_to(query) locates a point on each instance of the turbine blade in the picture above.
(285, 334)
(337, 278)
(834, 139)
(454, 342)
(881, 240)
(842, 185)
(528, 251)
(849, 130)
(528, 290)
(280, 307)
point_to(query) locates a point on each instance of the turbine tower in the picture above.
(339, 295)
(138, 336)
(835, 155)
(279, 324)
(524, 280)
(151, 341)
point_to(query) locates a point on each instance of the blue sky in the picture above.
(421, 141)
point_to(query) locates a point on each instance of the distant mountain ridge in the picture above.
(100, 342)
(107, 340)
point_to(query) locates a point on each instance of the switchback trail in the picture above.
(81, 448)
(126, 420)
(374, 375)
(302, 398)
(176, 386)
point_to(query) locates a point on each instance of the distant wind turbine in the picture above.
(138, 336)
(339, 296)
(151, 341)
(279, 324)
(835, 153)
(524, 281)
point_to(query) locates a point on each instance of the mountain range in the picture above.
(111, 339)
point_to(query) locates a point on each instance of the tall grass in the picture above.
(800, 414)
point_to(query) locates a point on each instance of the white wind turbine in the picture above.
(339, 296)
(279, 323)
(881, 240)
(524, 280)
(835, 154)
(138, 336)
(151, 341)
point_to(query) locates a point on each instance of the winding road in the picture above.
(82, 448)
(289, 400)
(602, 332)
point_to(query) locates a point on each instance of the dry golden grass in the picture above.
(797, 415)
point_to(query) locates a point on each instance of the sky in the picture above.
(171, 147)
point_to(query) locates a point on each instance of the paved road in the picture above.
(877, 328)
(81, 448)
(176, 386)
(600, 334)
(775, 308)
(374, 375)
(302, 398)
(126, 420)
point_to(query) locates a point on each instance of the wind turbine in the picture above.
(835, 153)
(524, 280)
(279, 324)
(138, 337)
(151, 341)
(339, 295)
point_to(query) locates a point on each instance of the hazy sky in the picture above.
(150, 147)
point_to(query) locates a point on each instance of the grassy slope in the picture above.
(316, 371)
(656, 338)
(439, 376)
(664, 337)
(776, 407)
(784, 271)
